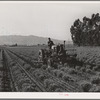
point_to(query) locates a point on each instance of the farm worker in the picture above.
(58, 48)
(50, 43)
(62, 54)
(64, 44)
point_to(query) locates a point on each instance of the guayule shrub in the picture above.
(89, 71)
(66, 65)
(95, 89)
(12, 63)
(47, 82)
(77, 67)
(67, 78)
(85, 86)
(27, 66)
(95, 80)
(88, 66)
(44, 66)
(42, 77)
(60, 74)
(55, 72)
(65, 69)
(96, 68)
(53, 86)
(59, 90)
(38, 65)
(72, 71)
(22, 62)
(31, 70)
(83, 69)
(60, 66)
(29, 89)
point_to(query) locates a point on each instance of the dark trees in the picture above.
(86, 32)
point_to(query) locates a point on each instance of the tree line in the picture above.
(87, 31)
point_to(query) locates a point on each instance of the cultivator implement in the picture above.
(50, 57)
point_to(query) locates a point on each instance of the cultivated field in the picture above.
(20, 71)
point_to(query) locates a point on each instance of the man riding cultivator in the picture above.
(54, 54)
(50, 43)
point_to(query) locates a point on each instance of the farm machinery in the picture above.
(57, 55)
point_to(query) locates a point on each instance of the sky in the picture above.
(46, 19)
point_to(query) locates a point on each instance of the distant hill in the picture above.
(25, 40)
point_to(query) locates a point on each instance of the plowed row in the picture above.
(45, 79)
(83, 76)
(21, 72)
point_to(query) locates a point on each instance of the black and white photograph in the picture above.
(50, 47)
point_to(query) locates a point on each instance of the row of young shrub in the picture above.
(91, 86)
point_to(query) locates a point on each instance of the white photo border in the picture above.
(49, 95)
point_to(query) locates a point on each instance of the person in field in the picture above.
(50, 43)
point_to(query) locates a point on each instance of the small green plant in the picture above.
(27, 66)
(60, 74)
(55, 72)
(42, 77)
(60, 66)
(66, 65)
(83, 69)
(77, 67)
(47, 82)
(85, 86)
(59, 90)
(96, 68)
(88, 66)
(72, 71)
(53, 87)
(95, 80)
(95, 89)
(67, 78)
(44, 66)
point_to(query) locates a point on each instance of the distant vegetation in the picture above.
(86, 32)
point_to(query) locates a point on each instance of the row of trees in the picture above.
(86, 32)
